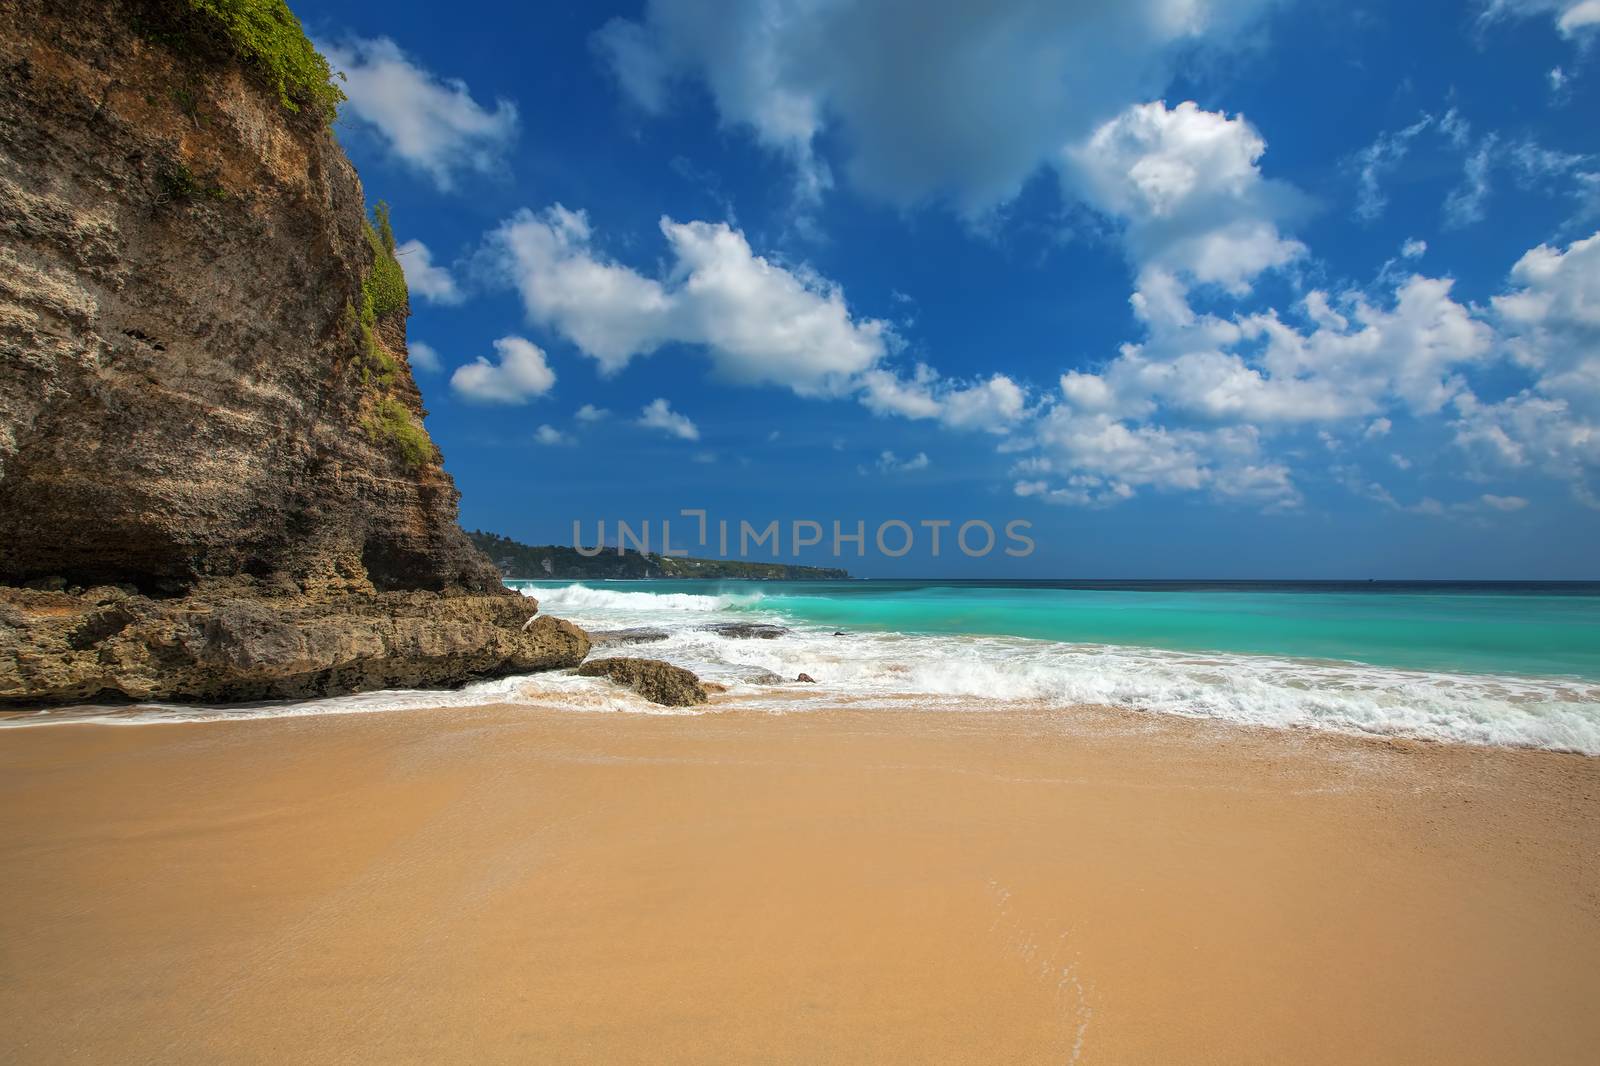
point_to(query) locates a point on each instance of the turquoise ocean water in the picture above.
(1534, 629)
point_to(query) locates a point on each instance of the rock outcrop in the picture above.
(656, 681)
(205, 393)
(745, 630)
(636, 635)
(227, 641)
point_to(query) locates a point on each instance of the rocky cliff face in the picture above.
(204, 390)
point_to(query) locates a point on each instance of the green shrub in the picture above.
(385, 288)
(392, 424)
(266, 34)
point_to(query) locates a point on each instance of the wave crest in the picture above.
(578, 597)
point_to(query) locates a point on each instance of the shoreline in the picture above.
(514, 884)
(617, 700)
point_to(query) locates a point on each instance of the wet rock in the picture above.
(656, 681)
(639, 635)
(219, 644)
(807, 678)
(745, 630)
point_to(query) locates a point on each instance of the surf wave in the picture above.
(582, 599)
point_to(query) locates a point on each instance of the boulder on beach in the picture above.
(656, 681)
(807, 678)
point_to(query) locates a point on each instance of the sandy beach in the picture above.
(507, 885)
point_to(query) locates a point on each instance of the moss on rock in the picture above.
(266, 34)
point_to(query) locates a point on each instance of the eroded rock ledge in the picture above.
(233, 640)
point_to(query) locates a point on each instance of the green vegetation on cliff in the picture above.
(385, 288)
(517, 560)
(266, 34)
(393, 424)
(383, 293)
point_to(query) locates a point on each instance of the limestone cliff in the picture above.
(205, 398)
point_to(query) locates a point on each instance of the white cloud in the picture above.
(659, 415)
(425, 278)
(1186, 184)
(423, 357)
(1503, 503)
(1101, 460)
(1378, 427)
(520, 375)
(996, 404)
(954, 99)
(1351, 358)
(1530, 164)
(1377, 160)
(551, 436)
(1552, 320)
(431, 124)
(1359, 354)
(1415, 248)
(888, 393)
(590, 413)
(889, 463)
(1573, 18)
(1533, 163)
(759, 322)
(1465, 204)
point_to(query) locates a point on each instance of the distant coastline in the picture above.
(550, 561)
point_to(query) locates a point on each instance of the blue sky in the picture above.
(1205, 288)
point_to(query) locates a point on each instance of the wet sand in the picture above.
(506, 885)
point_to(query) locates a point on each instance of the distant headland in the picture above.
(547, 561)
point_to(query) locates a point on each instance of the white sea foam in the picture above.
(574, 600)
(886, 669)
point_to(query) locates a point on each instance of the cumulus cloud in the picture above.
(425, 278)
(429, 123)
(758, 321)
(424, 357)
(1503, 503)
(995, 405)
(590, 413)
(1192, 406)
(520, 374)
(1550, 319)
(1185, 183)
(1339, 358)
(1102, 460)
(551, 436)
(927, 99)
(659, 415)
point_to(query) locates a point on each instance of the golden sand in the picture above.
(506, 885)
